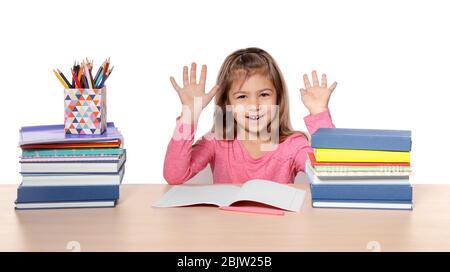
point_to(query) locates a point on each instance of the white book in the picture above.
(361, 205)
(376, 174)
(266, 192)
(66, 205)
(66, 166)
(73, 179)
(314, 179)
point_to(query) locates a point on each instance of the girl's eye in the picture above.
(241, 97)
(265, 94)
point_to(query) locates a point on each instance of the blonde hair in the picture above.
(244, 63)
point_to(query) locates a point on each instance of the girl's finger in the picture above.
(174, 84)
(193, 73)
(185, 76)
(324, 80)
(302, 91)
(333, 86)
(203, 76)
(315, 79)
(306, 80)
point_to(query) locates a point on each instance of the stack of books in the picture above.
(360, 168)
(69, 171)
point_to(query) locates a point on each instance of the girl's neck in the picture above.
(256, 148)
(252, 138)
(256, 141)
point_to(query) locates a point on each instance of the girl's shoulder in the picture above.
(294, 143)
(296, 138)
(211, 139)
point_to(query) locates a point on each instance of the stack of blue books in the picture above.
(69, 171)
(360, 168)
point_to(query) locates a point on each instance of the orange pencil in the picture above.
(80, 72)
(107, 65)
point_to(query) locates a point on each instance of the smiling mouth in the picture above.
(255, 117)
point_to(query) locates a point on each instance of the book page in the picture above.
(271, 193)
(185, 195)
(314, 179)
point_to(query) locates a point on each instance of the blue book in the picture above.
(367, 139)
(362, 192)
(27, 194)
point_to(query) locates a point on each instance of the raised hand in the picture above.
(317, 96)
(193, 91)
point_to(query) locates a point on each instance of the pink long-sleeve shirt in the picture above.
(229, 160)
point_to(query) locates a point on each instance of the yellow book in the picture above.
(356, 155)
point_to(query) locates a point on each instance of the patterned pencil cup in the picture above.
(85, 111)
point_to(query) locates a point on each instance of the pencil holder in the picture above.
(85, 111)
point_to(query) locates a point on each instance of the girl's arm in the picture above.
(303, 147)
(184, 160)
(319, 120)
(315, 98)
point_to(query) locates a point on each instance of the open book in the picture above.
(261, 191)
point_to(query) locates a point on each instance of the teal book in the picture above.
(73, 152)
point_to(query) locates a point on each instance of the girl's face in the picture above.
(253, 103)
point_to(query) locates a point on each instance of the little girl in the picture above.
(252, 137)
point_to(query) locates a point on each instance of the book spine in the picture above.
(362, 192)
(66, 193)
(365, 142)
(362, 168)
(72, 152)
(353, 155)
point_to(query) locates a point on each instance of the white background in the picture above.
(390, 58)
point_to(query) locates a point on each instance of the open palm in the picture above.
(193, 91)
(316, 97)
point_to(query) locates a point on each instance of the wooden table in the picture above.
(136, 226)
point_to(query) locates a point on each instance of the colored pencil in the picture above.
(60, 79)
(81, 73)
(87, 75)
(105, 77)
(75, 78)
(64, 78)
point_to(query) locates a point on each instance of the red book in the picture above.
(114, 143)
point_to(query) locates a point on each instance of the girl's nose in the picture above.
(255, 102)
